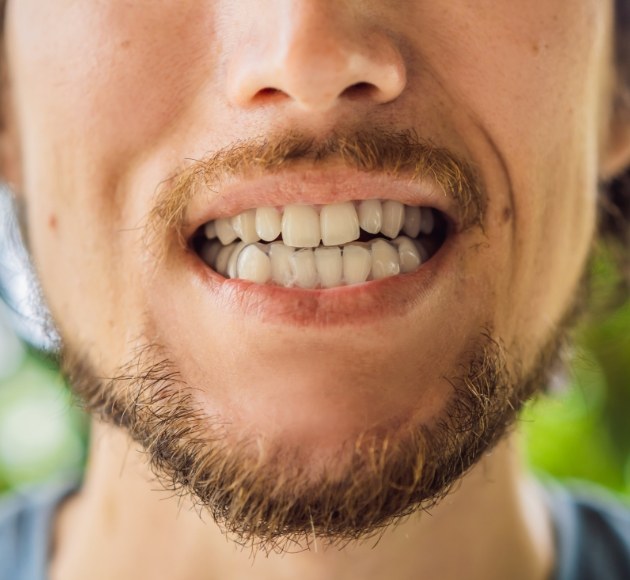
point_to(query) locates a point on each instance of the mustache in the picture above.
(398, 154)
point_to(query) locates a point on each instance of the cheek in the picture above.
(530, 80)
(86, 69)
(123, 72)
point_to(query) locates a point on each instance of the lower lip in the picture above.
(359, 304)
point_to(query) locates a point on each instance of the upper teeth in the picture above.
(306, 226)
(316, 249)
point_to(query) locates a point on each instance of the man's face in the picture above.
(109, 100)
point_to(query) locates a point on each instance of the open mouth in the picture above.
(322, 246)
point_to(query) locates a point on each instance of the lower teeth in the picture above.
(321, 267)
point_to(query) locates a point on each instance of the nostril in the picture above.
(268, 94)
(355, 92)
(360, 90)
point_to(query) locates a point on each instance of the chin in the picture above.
(314, 392)
(277, 460)
(318, 416)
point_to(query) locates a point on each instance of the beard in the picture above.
(267, 496)
(271, 494)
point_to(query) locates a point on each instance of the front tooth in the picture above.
(268, 223)
(408, 254)
(303, 264)
(393, 218)
(225, 231)
(210, 230)
(339, 224)
(281, 270)
(244, 225)
(413, 221)
(223, 259)
(428, 221)
(300, 226)
(357, 264)
(371, 216)
(231, 266)
(385, 261)
(254, 265)
(329, 266)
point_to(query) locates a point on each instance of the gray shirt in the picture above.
(592, 534)
(25, 530)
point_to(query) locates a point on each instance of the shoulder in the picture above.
(25, 519)
(592, 534)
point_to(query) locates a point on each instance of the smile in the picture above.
(322, 246)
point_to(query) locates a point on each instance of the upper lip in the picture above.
(314, 187)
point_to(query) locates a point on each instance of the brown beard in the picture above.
(270, 495)
(268, 500)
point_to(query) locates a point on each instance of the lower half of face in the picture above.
(315, 341)
(365, 399)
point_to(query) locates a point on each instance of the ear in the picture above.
(616, 152)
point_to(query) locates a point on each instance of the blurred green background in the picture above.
(580, 430)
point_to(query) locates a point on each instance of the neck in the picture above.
(120, 525)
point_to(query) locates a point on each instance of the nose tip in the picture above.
(315, 65)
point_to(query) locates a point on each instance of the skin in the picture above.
(106, 100)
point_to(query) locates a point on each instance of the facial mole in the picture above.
(507, 215)
(52, 222)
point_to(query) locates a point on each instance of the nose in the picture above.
(314, 54)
